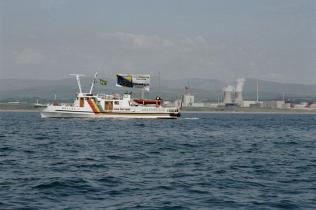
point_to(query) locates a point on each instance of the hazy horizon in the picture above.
(273, 40)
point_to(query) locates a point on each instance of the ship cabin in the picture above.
(104, 103)
(108, 103)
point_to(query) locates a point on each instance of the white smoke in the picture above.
(229, 88)
(240, 84)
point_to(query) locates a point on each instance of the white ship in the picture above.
(110, 106)
(39, 106)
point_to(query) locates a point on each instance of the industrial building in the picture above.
(188, 98)
(273, 104)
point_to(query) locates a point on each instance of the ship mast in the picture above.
(78, 80)
(93, 82)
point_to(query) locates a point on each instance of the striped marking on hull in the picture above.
(93, 106)
(98, 105)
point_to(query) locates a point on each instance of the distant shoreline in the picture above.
(252, 112)
(18, 110)
(248, 111)
(239, 110)
(6, 107)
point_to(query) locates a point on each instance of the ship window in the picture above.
(116, 102)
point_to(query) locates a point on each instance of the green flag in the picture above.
(103, 82)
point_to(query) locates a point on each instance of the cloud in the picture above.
(28, 56)
(176, 57)
(138, 40)
(152, 42)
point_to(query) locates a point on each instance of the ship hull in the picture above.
(127, 115)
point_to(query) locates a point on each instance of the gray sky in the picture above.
(216, 39)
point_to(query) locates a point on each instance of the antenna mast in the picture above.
(257, 91)
(159, 81)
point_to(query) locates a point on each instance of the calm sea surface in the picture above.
(200, 161)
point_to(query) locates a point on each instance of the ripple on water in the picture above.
(201, 161)
(70, 185)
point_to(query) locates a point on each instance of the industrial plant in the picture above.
(233, 98)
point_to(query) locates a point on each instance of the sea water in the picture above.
(200, 161)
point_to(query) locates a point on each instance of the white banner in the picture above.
(134, 80)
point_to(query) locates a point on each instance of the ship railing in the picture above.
(66, 104)
(172, 109)
(161, 109)
(109, 97)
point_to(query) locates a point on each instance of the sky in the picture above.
(215, 39)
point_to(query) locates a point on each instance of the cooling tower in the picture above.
(238, 98)
(228, 94)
